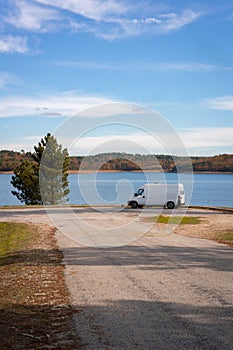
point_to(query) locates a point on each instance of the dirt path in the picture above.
(160, 292)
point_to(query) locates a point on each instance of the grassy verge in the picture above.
(224, 237)
(13, 237)
(175, 220)
(216, 234)
(34, 302)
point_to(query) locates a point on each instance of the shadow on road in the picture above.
(139, 324)
(217, 258)
(125, 324)
(158, 258)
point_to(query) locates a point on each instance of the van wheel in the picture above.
(170, 205)
(134, 205)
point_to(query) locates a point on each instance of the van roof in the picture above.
(163, 184)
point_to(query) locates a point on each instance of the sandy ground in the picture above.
(159, 291)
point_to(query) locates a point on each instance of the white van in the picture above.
(168, 195)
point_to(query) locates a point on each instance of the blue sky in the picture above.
(60, 57)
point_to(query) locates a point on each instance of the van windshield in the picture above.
(140, 191)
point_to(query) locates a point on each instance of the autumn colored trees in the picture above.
(10, 160)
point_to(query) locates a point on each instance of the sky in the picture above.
(59, 58)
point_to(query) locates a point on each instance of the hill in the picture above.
(9, 160)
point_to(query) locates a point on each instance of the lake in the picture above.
(116, 188)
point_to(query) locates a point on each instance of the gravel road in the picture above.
(159, 292)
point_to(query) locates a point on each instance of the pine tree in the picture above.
(26, 181)
(44, 179)
(37, 155)
(53, 172)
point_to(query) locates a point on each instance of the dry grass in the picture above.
(34, 306)
(217, 227)
(224, 237)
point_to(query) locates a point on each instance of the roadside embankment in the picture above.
(34, 301)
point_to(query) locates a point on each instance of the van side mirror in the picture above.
(135, 194)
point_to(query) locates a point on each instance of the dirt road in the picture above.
(159, 292)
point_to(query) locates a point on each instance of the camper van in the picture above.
(167, 195)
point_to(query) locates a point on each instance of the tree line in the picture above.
(10, 160)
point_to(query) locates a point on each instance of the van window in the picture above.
(140, 191)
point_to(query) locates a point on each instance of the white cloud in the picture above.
(198, 141)
(162, 24)
(173, 21)
(61, 104)
(107, 19)
(132, 143)
(188, 66)
(220, 103)
(150, 66)
(25, 15)
(121, 27)
(91, 9)
(13, 44)
(22, 143)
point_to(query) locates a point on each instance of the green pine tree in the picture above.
(53, 173)
(44, 179)
(26, 181)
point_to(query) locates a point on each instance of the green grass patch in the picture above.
(14, 237)
(175, 220)
(226, 236)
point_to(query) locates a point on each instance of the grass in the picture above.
(225, 237)
(175, 220)
(14, 237)
(221, 236)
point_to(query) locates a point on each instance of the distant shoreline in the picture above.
(70, 172)
(146, 171)
(218, 164)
